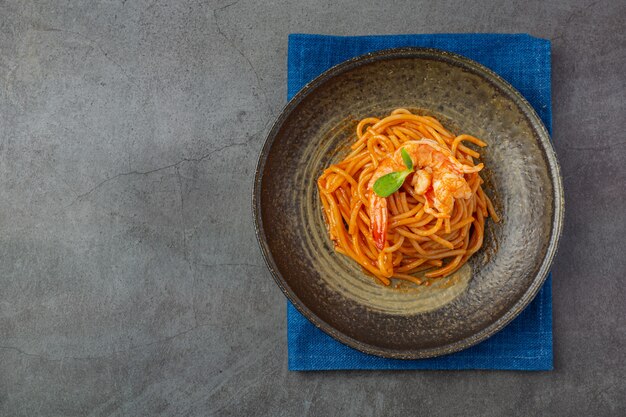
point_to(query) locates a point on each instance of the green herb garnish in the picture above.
(407, 159)
(390, 183)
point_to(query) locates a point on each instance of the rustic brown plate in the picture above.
(522, 175)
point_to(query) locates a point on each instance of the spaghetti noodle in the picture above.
(432, 224)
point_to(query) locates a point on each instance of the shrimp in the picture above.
(439, 178)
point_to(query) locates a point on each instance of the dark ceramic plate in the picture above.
(522, 176)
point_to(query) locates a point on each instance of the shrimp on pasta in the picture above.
(432, 223)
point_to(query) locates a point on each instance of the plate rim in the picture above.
(554, 173)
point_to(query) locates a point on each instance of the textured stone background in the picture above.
(130, 279)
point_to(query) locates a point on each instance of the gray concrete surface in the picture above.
(130, 279)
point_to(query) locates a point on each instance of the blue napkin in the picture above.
(522, 60)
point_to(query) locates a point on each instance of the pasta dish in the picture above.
(407, 201)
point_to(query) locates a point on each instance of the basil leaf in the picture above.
(407, 159)
(390, 183)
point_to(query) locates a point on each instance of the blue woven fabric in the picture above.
(522, 60)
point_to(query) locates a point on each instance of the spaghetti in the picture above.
(432, 224)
